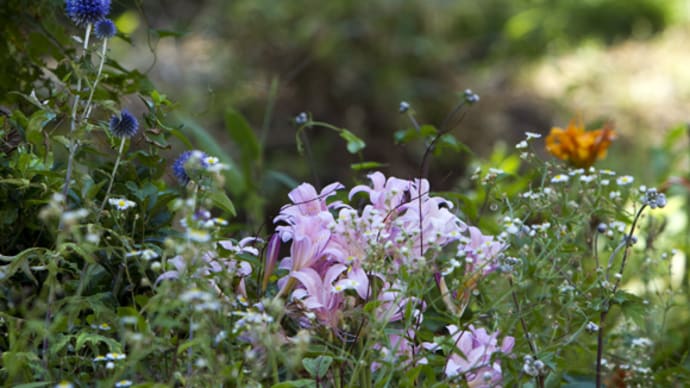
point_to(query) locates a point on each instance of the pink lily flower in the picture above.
(476, 348)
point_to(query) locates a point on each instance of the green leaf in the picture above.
(235, 181)
(34, 385)
(95, 339)
(407, 135)
(242, 134)
(354, 143)
(34, 129)
(295, 384)
(317, 367)
(366, 166)
(16, 182)
(170, 33)
(220, 199)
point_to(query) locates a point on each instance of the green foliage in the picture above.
(132, 278)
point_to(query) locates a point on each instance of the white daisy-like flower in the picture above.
(198, 235)
(615, 194)
(115, 356)
(211, 160)
(532, 135)
(121, 203)
(521, 145)
(560, 178)
(607, 172)
(64, 384)
(624, 180)
(213, 164)
(123, 384)
(220, 221)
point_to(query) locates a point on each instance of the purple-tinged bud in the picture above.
(272, 251)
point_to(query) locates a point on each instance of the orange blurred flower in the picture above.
(579, 147)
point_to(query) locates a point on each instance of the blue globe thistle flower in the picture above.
(124, 125)
(179, 169)
(83, 12)
(104, 29)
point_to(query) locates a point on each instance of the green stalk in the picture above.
(73, 119)
(112, 178)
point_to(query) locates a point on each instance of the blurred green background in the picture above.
(535, 64)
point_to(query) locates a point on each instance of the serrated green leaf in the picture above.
(96, 339)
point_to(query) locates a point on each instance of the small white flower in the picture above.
(532, 135)
(211, 160)
(123, 384)
(624, 180)
(560, 178)
(604, 182)
(213, 164)
(146, 254)
(615, 194)
(592, 327)
(642, 342)
(129, 320)
(521, 145)
(73, 216)
(121, 203)
(115, 356)
(198, 235)
(64, 384)
(607, 172)
(578, 171)
(587, 178)
(220, 221)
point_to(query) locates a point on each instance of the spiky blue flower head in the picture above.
(124, 125)
(104, 29)
(180, 167)
(83, 12)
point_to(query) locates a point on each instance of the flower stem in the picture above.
(112, 178)
(607, 303)
(87, 108)
(73, 119)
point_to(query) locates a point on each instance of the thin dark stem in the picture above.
(533, 348)
(310, 159)
(605, 308)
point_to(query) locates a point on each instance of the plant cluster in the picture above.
(113, 274)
